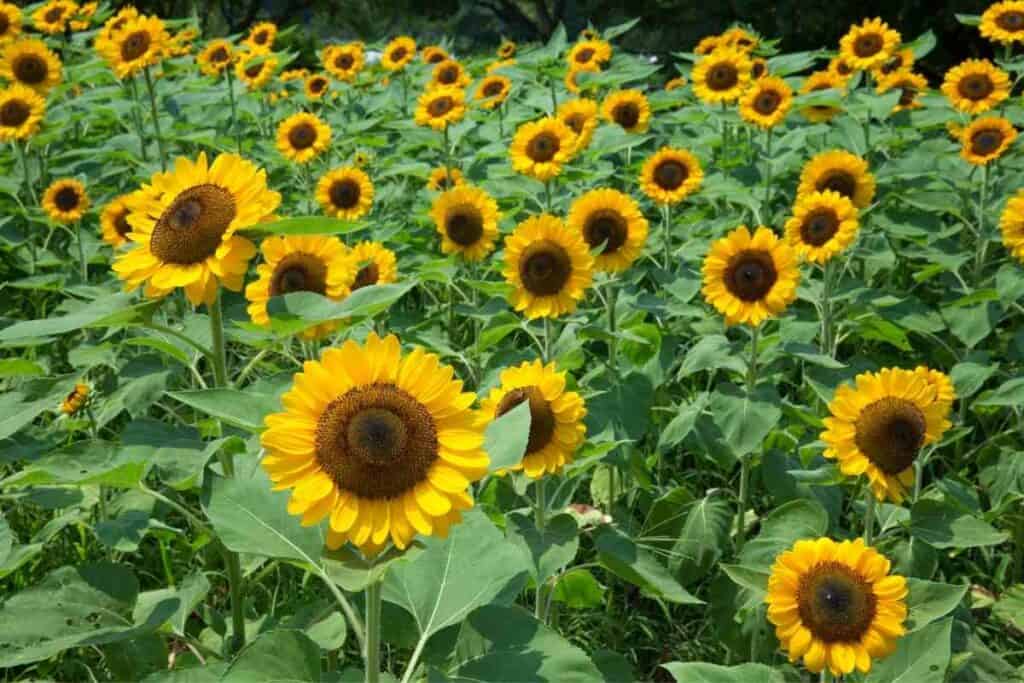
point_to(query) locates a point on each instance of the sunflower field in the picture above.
(546, 362)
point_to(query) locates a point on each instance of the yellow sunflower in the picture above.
(75, 400)
(556, 415)
(345, 193)
(869, 44)
(945, 392)
(180, 43)
(589, 33)
(878, 428)
(493, 91)
(580, 115)
(65, 201)
(707, 45)
(572, 81)
(548, 266)
(589, 55)
(440, 107)
(836, 605)
(611, 221)
(448, 73)
(261, 37)
(21, 112)
(316, 86)
(289, 75)
(255, 70)
(986, 139)
(671, 175)
(139, 43)
(539, 149)
(766, 102)
(83, 17)
(184, 224)
(758, 68)
(215, 57)
(976, 86)
(302, 137)
(433, 54)
(901, 60)
(376, 265)
(839, 171)
(466, 218)
(32, 64)
(838, 66)
(10, 22)
(507, 49)
(823, 224)
(721, 76)
(344, 62)
(739, 38)
(383, 445)
(398, 53)
(300, 263)
(442, 178)
(1003, 22)
(750, 278)
(817, 81)
(114, 221)
(910, 86)
(677, 83)
(629, 109)
(1011, 224)
(53, 17)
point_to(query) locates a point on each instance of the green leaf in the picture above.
(547, 552)
(189, 594)
(15, 414)
(941, 525)
(96, 462)
(682, 424)
(920, 657)
(928, 601)
(703, 538)
(922, 45)
(578, 589)
(6, 540)
(506, 438)
(242, 409)
(784, 526)
(701, 672)
(745, 419)
(307, 225)
(752, 578)
(312, 308)
(279, 656)
(1010, 393)
(613, 32)
(1010, 607)
(115, 309)
(625, 559)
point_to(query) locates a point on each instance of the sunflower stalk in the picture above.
(156, 119)
(869, 516)
(768, 168)
(979, 259)
(83, 266)
(613, 340)
(373, 612)
(745, 459)
(234, 111)
(827, 331)
(666, 217)
(137, 119)
(540, 517)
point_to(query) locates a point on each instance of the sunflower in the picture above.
(580, 115)
(261, 37)
(21, 112)
(901, 60)
(376, 265)
(548, 267)
(629, 109)
(589, 55)
(570, 80)
(115, 22)
(842, 172)
(869, 44)
(556, 415)
(139, 43)
(985, 139)
(345, 193)
(293, 75)
(611, 222)
(976, 86)
(433, 54)
(750, 278)
(382, 444)
(507, 49)
(836, 605)
(910, 86)
(500, 64)
(398, 53)
(302, 137)
(817, 81)
(677, 83)
(255, 69)
(448, 74)
(75, 400)
(879, 427)
(83, 16)
(466, 218)
(493, 91)
(707, 45)
(53, 17)
(440, 106)
(316, 86)
(1003, 22)
(361, 159)
(65, 201)
(344, 62)
(442, 178)
(540, 148)
(945, 392)
(180, 43)
(589, 33)
(838, 66)
(758, 68)
(114, 221)
(766, 102)
(671, 175)
(215, 57)
(721, 76)
(823, 224)
(1011, 224)
(32, 64)
(10, 22)
(739, 38)
(184, 223)
(301, 263)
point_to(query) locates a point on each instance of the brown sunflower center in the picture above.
(819, 226)
(54, 15)
(766, 102)
(723, 76)
(890, 432)
(543, 147)
(344, 61)
(626, 114)
(493, 88)
(398, 54)
(5, 24)
(254, 70)
(13, 113)
(219, 55)
(986, 141)
(299, 272)
(344, 193)
(670, 174)
(464, 225)
(135, 45)
(448, 75)
(30, 69)
(542, 417)
(376, 441)
(839, 181)
(908, 93)
(835, 603)
(302, 136)
(191, 228)
(868, 45)
(585, 55)
(318, 85)
(750, 275)
(576, 121)
(758, 69)
(892, 65)
(436, 58)
(66, 199)
(1010, 21)
(545, 268)
(606, 227)
(975, 87)
(843, 69)
(367, 275)
(121, 224)
(260, 38)
(439, 106)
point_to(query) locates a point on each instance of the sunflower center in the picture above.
(219, 55)
(892, 65)
(376, 441)
(545, 268)
(260, 38)
(575, 122)
(758, 69)
(584, 55)
(907, 95)
(838, 181)
(318, 85)
(344, 61)
(843, 69)
(868, 45)
(135, 45)
(819, 226)
(54, 15)
(30, 69)
(543, 147)
(1011, 21)
(986, 141)
(606, 227)
(723, 76)
(398, 54)
(439, 106)
(66, 198)
(5, 24)
(493, 88)
(750, 275)
(465, 225)
(626, 114)
(975, 86)
(835, 603)
(254, 70)
(191, 228)
(121, 224)
(542, 417)
(367, 275)
(302, 136)
(766, 102)
(670, 174)
(890, 432)
(448, 75)
(345, 193)
(435, 58)
(13, 113)
(299, 272)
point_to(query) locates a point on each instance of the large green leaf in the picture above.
(745, 418)
(703, 538)
(188, 595)
(920, 657)
(781, 528)
(278, 656)
(96, 462)
(243, 409)
(1010, 606)
(941, 525)
(547, 552)
(104, 311)
(15, 413)
(928, 601)
(310, 307)
(620, 555)
(506, 438)
(701, 672)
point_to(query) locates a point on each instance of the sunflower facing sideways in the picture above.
(909, 84)
(766, 102)
(539, 149)
(869, 44)
(65, 201)
(945, 392)
(30, 63)
(382, 444)
(433, 54)
(816, 82)
(345, 193)
(10, 22)
(53, 17)
(1011, 224)
(302, 137)
(440, 107)
(398, 53)
(879, 427)
(215, 57)
(628, 108)
(255, 70)
(21, 112)
(448, 73)
(580, 115)
(1003, 22)
(140, 43)
(823, 224)
(184, 224)
(375, 263)
(442, 178)
(507, 49)
(836, 605)
(556, 415)
(261, 37)
(750, 278)
(114, 223)
(986, 139)
(466, 218)
(589, 55)
(721, 76)
(839, 171)
(671, 175)
(976, 86)
(316, 86)
(75, 400)
(612, 222)
(548, 266)
(493, 91)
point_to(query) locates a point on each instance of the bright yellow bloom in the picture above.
(377, 265)
(215, 57)
(21, 112)
(822, 80)
(138, 44)
(261, 37)
(466, 218)
(589, 55)
(316, 86)
(611, 222)
(114, 221)
(839, 171)
(910, 86)
(302, 137)
(548, 266)
(440, 107)
(32, 64)
(540, 148)
(398, 53)
(823, 224)
(986, 139)
(493, 91)
(345, 193)
(628, 108)
(53, 17)
(869, 44)
(442, 178)
(65, 201)
(10, 22)
(1011, 224)
(344, 62)
(255, 70)
(766, 102)
(721, 76)
(1003, 22)
(976, 86)
(671, 175)
(448, 73)
(75, 400)
(580, 115)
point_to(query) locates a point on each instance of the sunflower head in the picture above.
(707, 45)
(766, 102)
(289, 75)
(839, 67)
(629, 109)
(75, 400)
(580, 115)
(910, 86)
(443, 178)
(255, 70)
(722, 76)
(816, 82)
(842, 172)
(398, 53)
(986, 139)
(823, 224)
(215, 57)
(139, 43)
(65, 201)
(53, 16)
(302, 137)
(440, 107)
(740, 38)
(10, 22)
(901, 60)
(344, 62)
(750, 278)
(945, 392)
(507, 49)
(589, 55)
(869, 44)
(548, 266)
(1003, 22)
(361, 159)
(677, 83)
(448, 73)
(612, 226)
(114, 222)
(375, 265)
(30, 63)
(976, 86)
(316, 86)
(433, 54)
(21, 112)
(493, 91)
(540, 148)
(670, 175)
(261, 37)
(466, 218)
(345, 193)
(1011, 224)
(180, 43)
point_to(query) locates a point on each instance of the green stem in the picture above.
(768, 168)
(827, 332)
(547, 340)
(156, 118)
(137, 119)
(540, 517)
(547, 196)
(982, 248)
(83, 266)
(501, 120)
(234, 110)
(745, 459)
(218, 352)
(613, 342)
(666, 217)
(554, 96)
(373, 609)
(1018, 548)
(869, 517)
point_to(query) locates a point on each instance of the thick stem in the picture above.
(218, 352)
(554, 96)
(768, 167)
(373, 608)
(613, 341)
(745, 459)
(827, 332)
(540, 517)
(547, 340)
(869, 517)
(501, 120)
(979, 259)
(666, 218)
(137, 119)
(156, 119)
(234, 110)
(83, 266)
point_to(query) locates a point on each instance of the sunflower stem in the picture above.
(501, 120)
(979, 259)
(156, 119)
(869, 517)
(546, 355)
(83, 266)
(554, 96)
(745, 459)
(547, 196)
(540, 517)
(768, 168)
(827, 333)
(218, 352)
(666, 219)
(234, 110)
(137, 119)
(373, 609)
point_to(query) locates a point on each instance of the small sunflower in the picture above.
(316, 86)
(976, 86)
(589, 55)
(180, 43)
(548, 267)
(721, 76)
(707, 45)
(261, 37)
(440, 107)
(398, 53)
(255, 70)
(539, 149)
(114, 222)
(507, 49)
(556, 415)
(361, 159)
(589, 33)
(611, 221)
(433, 54)
(1011, 224)
(21, 112)
(628, 108)
(740, 38)
(215, 57)
(75, 400)
(139, 43)
(493, 91)
(571, 81)
(766, 102)
(677, 83)
(842, 172)
(448, 73)
(300, 263)
(836, 605)
(580, 115)
(878, 428)
(838, 66)
(83, 17)
(344, 62)
(442, 178)
(345, 193)
(901, 60)
(823, 224)
(53, 17)
(184, 224)
(500, 64)
(32, 64)
(376, 265)
(382, 444)
(986, 139)
(945, 392)
(818, 81)
(758, 68)
(671, 175)
(750, 278)
(65, 201)
(869, 44)
(466, 218)
(1003, 22)
(910, 86)
(10, 22)
(302, 137)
